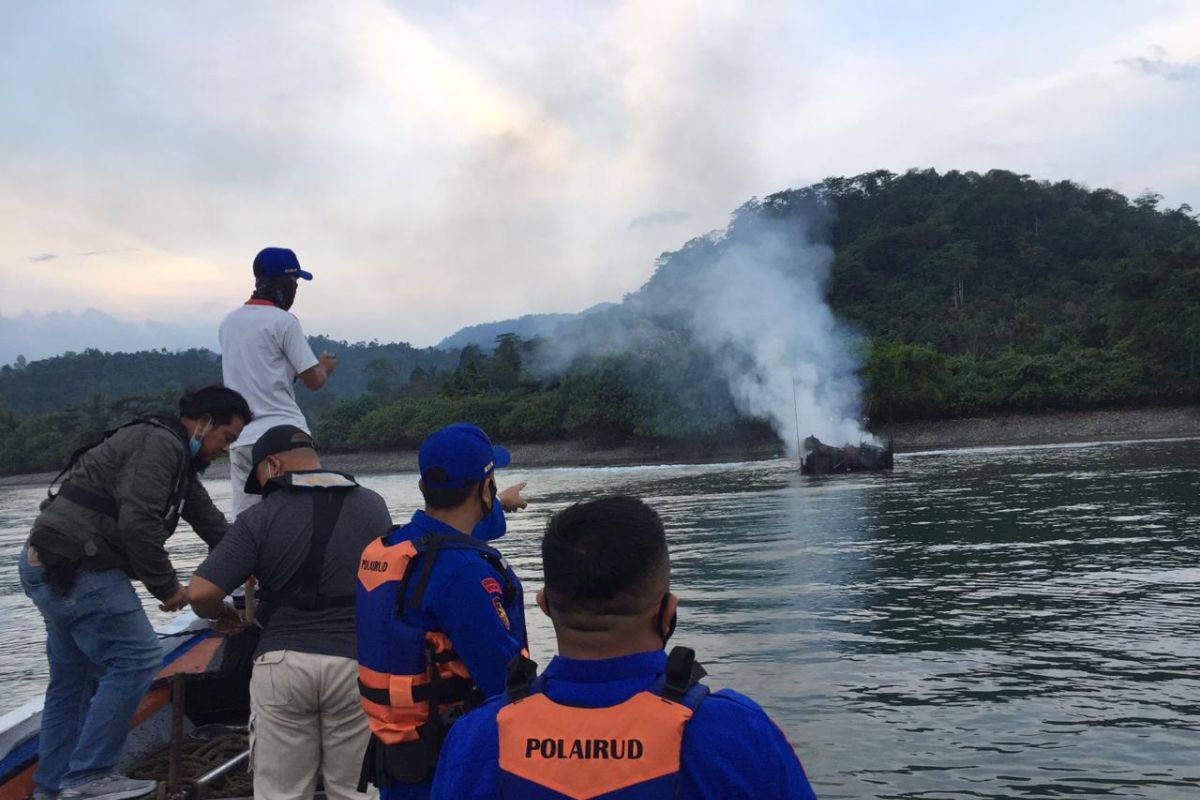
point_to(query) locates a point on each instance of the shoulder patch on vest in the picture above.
(501, 613)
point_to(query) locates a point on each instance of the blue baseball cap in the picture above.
(272, 261)
(459, 455)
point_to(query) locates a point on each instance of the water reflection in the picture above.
(987, 624)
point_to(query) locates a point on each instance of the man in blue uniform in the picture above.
(440, 613)
(612, 715)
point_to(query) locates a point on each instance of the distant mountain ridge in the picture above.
(528, 326)
(64, 359)
(38, 336)
(41, 336)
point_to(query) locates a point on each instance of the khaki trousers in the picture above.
(306, 720)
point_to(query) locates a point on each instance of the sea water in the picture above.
(989, 623)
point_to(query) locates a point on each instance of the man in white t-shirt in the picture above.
(263, 350)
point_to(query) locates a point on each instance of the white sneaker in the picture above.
(109, 787)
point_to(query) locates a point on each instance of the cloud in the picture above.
(1161, 67)
(439, 164)
(109, 251)
(658, 218)
(42, 335)
(43, 257)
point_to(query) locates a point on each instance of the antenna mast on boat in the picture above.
(796, 412)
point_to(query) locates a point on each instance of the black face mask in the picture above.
(490, 489)
(658, 620)
(278, 289)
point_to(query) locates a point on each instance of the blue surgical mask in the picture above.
(197, 440)
(493, 525)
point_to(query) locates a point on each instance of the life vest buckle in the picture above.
(681, 674)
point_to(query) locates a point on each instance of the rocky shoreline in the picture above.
(1054, 427)
(1060, 427)
(909, 437)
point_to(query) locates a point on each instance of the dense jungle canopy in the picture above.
(966, 293)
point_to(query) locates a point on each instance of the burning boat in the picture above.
(822, 459)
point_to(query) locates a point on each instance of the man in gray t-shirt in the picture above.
(303, 544)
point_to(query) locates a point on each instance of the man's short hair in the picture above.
(442, 499)
(220, 402)
(601, 556)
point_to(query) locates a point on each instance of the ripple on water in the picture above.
(981, 624)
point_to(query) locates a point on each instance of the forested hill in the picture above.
(974, 292)
(76, 379)
(979, 264)
(1016, 294)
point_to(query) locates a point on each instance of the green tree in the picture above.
(905, 381)
(381, 376)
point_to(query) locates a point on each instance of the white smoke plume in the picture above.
(753, 298)
(761, 311)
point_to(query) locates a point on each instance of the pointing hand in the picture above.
(511, 499)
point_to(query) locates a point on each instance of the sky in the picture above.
(439, 164)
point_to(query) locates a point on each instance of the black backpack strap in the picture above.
(106, 505)
(682, 673)
(171, 424)
(520, 678)
(303, 590)
(327, 507)
(431, 545)
(93, 501)
(406, 578)
(436, 723)
(75, 456)
(79, 451)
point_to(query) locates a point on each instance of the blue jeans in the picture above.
(103, 655)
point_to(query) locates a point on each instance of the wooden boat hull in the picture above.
(189, 648)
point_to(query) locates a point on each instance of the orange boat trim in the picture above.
(192, 662)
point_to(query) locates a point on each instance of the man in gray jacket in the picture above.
(303, 543)
(109, 523)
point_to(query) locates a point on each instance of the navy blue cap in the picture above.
(459, 455)
(274, 441)
(272, 261)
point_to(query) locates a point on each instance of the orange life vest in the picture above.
(631, 750)
(412, 683)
